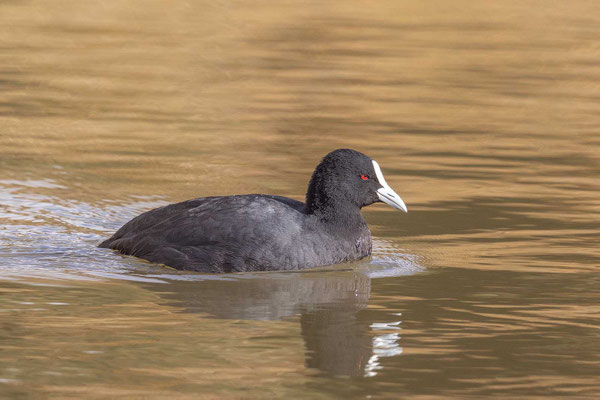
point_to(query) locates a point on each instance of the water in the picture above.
(484, 117)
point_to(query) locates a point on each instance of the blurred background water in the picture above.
(485, 117)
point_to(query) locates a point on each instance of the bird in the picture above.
(262, 232)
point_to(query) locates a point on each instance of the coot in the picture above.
(258, 232)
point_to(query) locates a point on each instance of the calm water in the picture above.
(484, 116)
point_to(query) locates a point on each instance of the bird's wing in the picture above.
(214, 234)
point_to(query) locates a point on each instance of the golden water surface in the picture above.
(485, 117)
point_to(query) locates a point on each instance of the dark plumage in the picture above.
(259, 232)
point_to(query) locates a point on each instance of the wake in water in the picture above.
(51, 238)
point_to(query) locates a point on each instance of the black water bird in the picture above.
(258, 232)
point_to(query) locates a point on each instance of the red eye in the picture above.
(364, 177)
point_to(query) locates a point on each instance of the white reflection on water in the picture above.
(384, 345)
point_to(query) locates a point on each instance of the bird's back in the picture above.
(221, 234)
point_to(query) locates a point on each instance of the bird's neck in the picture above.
(338, 215)
(325, 201)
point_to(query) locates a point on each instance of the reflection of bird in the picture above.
(265, 232)
(337, 342)
(268, 296)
